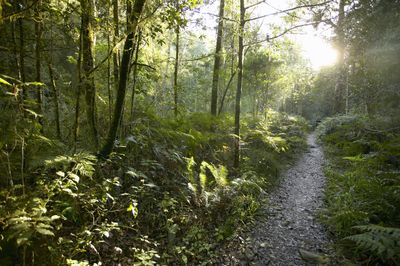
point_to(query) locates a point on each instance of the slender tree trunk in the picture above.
(24, 97)
(264, 106)
(349, 73)
(21, 50)
(177, 31)
(123, 77)
(22, 57)
(38, 59)
(15, 50)
(109, 90)
(254, 103)
(236, 162)
(166, 76)
(115, 39)
(233, 73)
(135, 72)
(347, 95)
(78, 93)
(87, 66)
(217, 60)
(53, 83)
(56, 105)
(253, 94)
(258, 107)
(122, 128)
(340, 82)
(109, 86)
(221, 106)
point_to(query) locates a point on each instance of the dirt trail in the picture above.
(290, 218)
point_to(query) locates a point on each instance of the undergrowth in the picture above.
(363, 191)
(167, 194)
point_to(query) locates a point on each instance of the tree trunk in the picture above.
(53, 82)
(217, 60)
(236, 162)
(122, 128)
(340, 82)
(135, 72)
(165, 77)
(225, 92)
(115, 39)
(56, 106)
(87, 66)
(109, 86)
(123, 76)
(254, 102)
(15, 50)
(22, 54)
(78, 92)
(38, 33)
(347, 95)
(109, 90)
(233, 73)
(176, 71)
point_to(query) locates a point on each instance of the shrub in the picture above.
(363, 185)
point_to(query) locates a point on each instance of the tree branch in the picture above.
(108, 55)
(214, 15)
(19, 12)
(280, 10)
(144, 65)
(255, 4)
(199, 58)
(282, 33)
(225, 92)
(287, 10)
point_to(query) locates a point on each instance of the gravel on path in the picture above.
(289, 219)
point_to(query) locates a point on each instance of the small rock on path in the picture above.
(290, 218)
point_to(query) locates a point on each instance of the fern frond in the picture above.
(384, 242)
(219, 173)
(191, 176)
(82, 163)
(379, 229)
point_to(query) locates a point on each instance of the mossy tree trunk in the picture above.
(38, 59)
(87, 8)
(123, 77)
(115, 40)
(56, 101)
(340, 86)
(236, 161)
(78, 94)
(134, 74)
(176, 69)
(217, 60)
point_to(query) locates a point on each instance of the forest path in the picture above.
(289, 219)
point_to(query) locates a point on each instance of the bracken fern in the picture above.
(384, 242)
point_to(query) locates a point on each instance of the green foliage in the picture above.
(80, 163)
(28, 227)
(363, 186)
(166, 195)
(220, 175)
(381, 241)
(279, 134)
(40, 221)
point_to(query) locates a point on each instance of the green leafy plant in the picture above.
(362, 185)
(383, 242)
(25, 227)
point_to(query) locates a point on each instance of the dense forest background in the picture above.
(129, 134)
